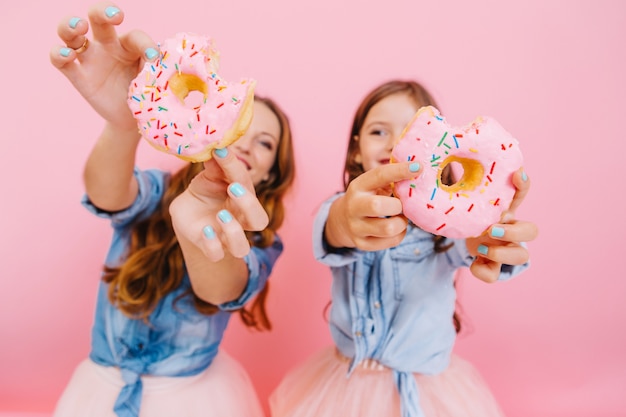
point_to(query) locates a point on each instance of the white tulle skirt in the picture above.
(224, 389)
(320, 388)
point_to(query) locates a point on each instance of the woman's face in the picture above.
(381, 129)
(258, 147)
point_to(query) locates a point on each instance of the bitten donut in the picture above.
(486, 153)
(181, 104)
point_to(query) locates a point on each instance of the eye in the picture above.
(377, 132)
(266, 143)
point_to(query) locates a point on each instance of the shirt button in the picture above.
(376, 304)
(417, 251)
(358, 333)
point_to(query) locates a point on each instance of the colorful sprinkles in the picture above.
(476, 191)
(176, 128)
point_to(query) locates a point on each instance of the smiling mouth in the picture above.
(384, 161)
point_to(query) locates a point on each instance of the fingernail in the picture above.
(497, 231)
(151, 53)
(225, 216)
(221, 152)
(524, 176)
(482, 249)
(111, 11)
(74, 21)
(414, 167)
(208, 231)
(237, 189)
(65, 52)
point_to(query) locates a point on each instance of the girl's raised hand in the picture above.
(368, 217)
(501, 243)
(101, 67)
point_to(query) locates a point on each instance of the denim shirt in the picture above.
(176, 340)
(395, 305)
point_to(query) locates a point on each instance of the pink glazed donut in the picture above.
(166, 115)
(488, 156)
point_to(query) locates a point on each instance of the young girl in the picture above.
(393, 298)
(188, 249)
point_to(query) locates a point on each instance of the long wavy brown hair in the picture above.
(154, 264)
(353, 169)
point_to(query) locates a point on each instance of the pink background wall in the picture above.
(551, 343)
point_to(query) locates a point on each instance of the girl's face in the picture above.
(381, 129)
(257, 148)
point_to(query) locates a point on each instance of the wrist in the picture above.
(335, 232)
(126, 132)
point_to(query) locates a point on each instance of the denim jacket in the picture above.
(176, 340)
(395, 305)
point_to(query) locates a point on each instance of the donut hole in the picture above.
(190, 89)
(450, 172)
(469, 171)
(194, 99)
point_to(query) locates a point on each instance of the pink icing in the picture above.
(169, 124)
(466, 212)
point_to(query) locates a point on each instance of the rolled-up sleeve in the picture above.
(321, 250)
(151, 187)
(260, 262)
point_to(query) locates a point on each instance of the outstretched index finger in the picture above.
(384, 175)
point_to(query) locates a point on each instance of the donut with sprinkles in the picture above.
(482, 154)
(181, 104)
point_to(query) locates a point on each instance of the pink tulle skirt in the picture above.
(223, 389)
(320, 388)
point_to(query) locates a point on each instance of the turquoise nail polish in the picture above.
(497, 231)
(65, 52)
(414, 167)
(237, 189)
(225, 216)
(482, 249)
(222, 152)
(151, 53)
(111, 11)
(524, 176)
(74, 21)
(208, 231)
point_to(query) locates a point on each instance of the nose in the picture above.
(243, 144)
(390, 142)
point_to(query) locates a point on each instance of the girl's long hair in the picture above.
(353, 169)
(154, 265)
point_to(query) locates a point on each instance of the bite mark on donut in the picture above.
(183, 107)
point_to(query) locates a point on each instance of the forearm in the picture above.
(108, 173)
(214, 282)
